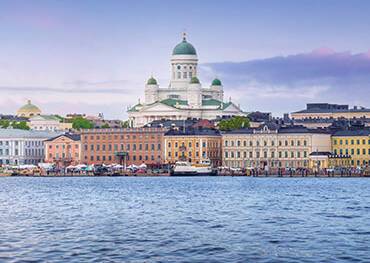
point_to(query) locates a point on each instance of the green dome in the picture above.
(216, 82)
(28, 110)
(184, 48)
(152, 81)
(29, 107)
(194, 80)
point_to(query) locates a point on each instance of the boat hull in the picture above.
(193, 173)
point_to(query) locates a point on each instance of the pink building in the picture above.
(63, 150)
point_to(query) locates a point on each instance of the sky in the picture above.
(95, 56)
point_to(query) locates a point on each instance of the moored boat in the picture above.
(183, 168)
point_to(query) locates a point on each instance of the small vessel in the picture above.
(183, 168)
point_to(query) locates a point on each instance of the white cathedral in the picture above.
(185, 97)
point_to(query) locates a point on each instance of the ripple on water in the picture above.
(212, 219)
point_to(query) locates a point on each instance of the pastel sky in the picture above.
(95, 56)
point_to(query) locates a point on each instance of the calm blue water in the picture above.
(206, 219)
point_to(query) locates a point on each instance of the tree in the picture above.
(22, 125)
(4, 124)
(105, 126)
(82, 123)
(234, 123)
(126, 124)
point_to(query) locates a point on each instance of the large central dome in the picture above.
(184, 48)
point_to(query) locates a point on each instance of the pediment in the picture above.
(232, 108)
(158, 107)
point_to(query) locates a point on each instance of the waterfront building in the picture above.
(28, 110)
(331, 111)
(194, 145)
(125, 145)
(48, 123)
(273, 147)
(22, 147)
(353, 142)
(324, 160)
(185, 96)
(63, 150)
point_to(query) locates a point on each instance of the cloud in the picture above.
(110, 97)
(80, 86)
(284, 83)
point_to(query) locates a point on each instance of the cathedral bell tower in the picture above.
(184, 63)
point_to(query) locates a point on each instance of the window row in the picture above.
(352, 142)
(265, 154)
(352, 151)
(123, 147)
(265, 143)
(128, 158)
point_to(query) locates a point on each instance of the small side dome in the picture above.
(194, 80)
(151, 81)
(216, 82)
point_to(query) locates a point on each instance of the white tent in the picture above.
(143, 166)
(27, 166)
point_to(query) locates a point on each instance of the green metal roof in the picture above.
(134, 108)
(173, 102)
(184, 48)
(194, 80)
(48, 117)
(214, 102)
(216, 82)
(29, 107)
(152, 81)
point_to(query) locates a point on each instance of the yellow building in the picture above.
(325, 160)
(28, 110)
(355, 143)
(193, 145)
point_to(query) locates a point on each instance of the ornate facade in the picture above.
(185, 97)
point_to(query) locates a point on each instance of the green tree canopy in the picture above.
(234, 123)
(82, 123)
(4, 124)
(22, 125)
(126, 124)
(105, 126)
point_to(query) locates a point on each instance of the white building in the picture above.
(48, 123)
(273, 147)
(22, 146)
(185, 97)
